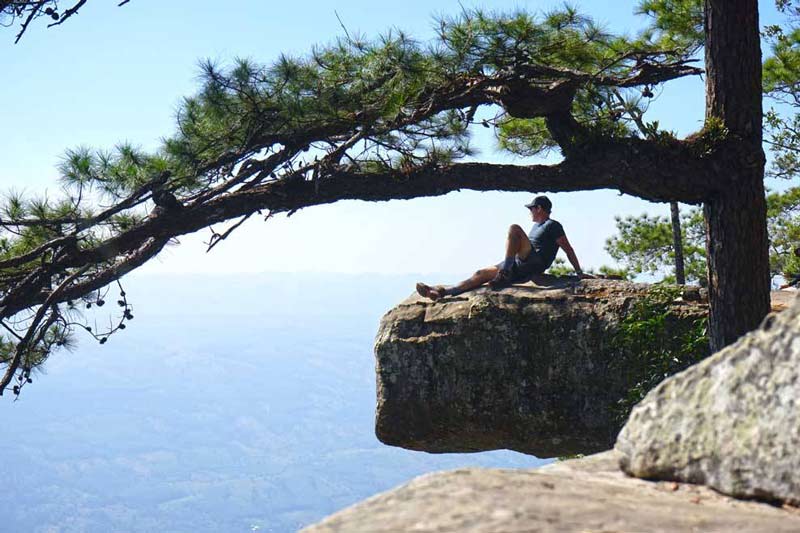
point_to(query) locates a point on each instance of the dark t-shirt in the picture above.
(543, 238)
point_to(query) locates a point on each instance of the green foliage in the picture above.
(645, 333)
(307, 101)
(17, 208)
(482, 40)
(605, 113)
(559, 268)
(781, 81)
(570, 457)
(525, 137)
(706, 140)
(783, 225)
(614, 272)
(781, 71)
(783, 137)
(644, 245)
(675, 23)
(115, 173)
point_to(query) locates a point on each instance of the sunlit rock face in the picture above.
(589, 494)
(533, 368)
(731, 422)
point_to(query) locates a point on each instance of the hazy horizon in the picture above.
(230, 403)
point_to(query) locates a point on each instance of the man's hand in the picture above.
(573, 259)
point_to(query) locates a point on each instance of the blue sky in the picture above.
(113, 74)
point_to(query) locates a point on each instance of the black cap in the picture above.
(542, 201)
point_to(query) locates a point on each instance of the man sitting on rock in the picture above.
(526, 255)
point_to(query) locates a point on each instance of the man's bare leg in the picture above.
(517, 244)
(473, 282)
(480, 277)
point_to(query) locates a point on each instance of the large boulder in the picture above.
(534, 368)
(731, 422)
(589, 494)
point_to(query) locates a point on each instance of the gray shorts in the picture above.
(524, 269)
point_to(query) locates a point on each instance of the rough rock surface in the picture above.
(731, 422)
(532, 368)
(589, 494)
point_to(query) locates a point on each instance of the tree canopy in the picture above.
(376, 119)
(781, 79)
(643, 244)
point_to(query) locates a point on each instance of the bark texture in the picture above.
(738, 262)
(736, 230)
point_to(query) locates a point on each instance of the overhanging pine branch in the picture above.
(654, 171)
(657, 171)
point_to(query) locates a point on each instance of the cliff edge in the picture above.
(535, 368)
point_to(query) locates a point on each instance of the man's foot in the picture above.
(426, 291)
(501, 280)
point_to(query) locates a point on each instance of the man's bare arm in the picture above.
(573, 259)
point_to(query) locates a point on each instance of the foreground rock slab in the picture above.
(589, 494)
(533, 368)
(731, 422)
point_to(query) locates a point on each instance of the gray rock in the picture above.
(532, 368)
(731, 422)
(589, 494)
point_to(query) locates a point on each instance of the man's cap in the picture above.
(542, 201)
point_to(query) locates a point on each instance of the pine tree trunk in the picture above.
(677, 243)
(736, 230)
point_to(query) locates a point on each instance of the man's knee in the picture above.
(515, 231)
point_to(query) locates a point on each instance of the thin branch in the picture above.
(68, 13)
(346, 33)
(36, 252)
(34, 10)
(28, 20)
(10, 330)
(217, 237)
(132, 261)
(23, 345)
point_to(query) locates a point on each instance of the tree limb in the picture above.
(652, 170)
(28, 339)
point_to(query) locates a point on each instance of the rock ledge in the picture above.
(588, 494)
(533, 368)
